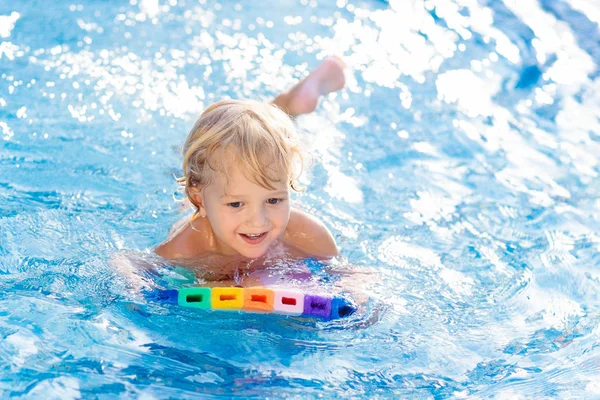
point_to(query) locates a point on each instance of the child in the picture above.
(240, 162)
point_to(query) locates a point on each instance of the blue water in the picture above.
(460, 164)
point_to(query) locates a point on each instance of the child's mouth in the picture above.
(253, 238)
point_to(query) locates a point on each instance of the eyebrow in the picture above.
(239, 196)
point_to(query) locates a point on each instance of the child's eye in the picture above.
(274, 201)
(235, 204)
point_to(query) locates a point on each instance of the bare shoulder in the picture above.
(307, 233)
(169, 249)
(183, 242)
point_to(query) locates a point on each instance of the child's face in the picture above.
(245, 217)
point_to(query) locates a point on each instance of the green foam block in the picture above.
(195, 297)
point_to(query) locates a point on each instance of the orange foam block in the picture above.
(258, 299)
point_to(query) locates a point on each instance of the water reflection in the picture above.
(460, 162)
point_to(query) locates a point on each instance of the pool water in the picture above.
(460, 164)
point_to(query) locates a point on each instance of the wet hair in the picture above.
(259, 137)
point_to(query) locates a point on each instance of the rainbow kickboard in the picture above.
(262, 300)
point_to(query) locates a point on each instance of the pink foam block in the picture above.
(288, 301)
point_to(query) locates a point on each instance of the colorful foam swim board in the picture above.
(261, 300)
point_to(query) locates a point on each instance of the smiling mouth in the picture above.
(253, 238)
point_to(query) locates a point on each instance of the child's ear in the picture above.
(198, 200)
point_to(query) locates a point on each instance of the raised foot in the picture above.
(326, 78)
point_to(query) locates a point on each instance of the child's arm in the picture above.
(134, 267)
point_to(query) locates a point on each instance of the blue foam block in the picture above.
(167, 296)
(342, 307)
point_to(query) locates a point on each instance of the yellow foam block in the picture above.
(227, 298)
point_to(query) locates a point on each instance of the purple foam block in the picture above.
(317, 306)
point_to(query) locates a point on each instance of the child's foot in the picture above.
(303, 98)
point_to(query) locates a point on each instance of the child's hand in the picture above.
(131, 269)
(359, 283)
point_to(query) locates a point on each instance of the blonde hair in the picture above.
(261, 137)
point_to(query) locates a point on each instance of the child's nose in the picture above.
(258, 218)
